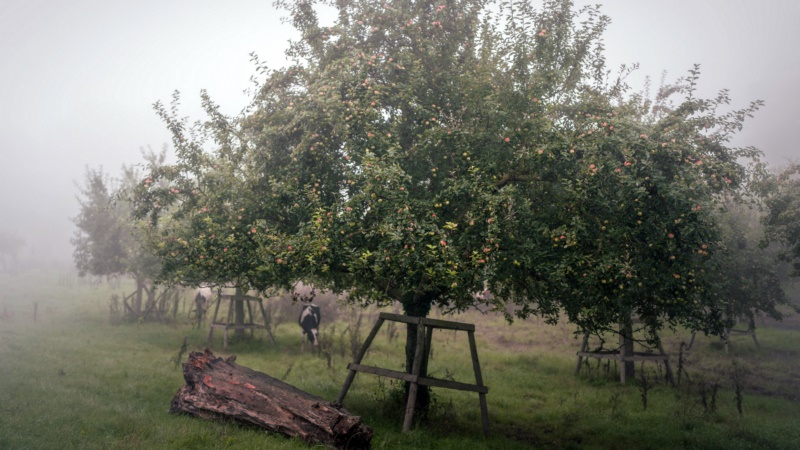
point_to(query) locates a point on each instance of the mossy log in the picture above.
(220, 389)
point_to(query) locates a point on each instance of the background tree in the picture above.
(749, 281)
(204, 212)
(425, 153)
(107, 243)
(10, 245)
(98, 241)
(782, 220)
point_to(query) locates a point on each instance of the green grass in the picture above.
(73, 379)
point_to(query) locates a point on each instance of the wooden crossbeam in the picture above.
(435, 323)
(612, 354)
(247, 298)
(425, 381)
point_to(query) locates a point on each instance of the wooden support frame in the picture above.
(748, 332)
(250, 320)
(726, 336)
(622, 356)
(158, 304)
(128, 307)
(425, 329)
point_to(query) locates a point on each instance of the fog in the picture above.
(78, 79)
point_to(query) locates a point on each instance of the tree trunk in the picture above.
(626, 338)
(419, 308)
(220, 389)
(137, 303)
(238, 313)
(151, 302)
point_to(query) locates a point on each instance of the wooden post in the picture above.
(238, 315)
(726, 337)
(267, 323)
(753, 332)
(419, 352)
(214, 318)
(584, 347)
(359, 356)
(476, 366)
(666, 363)
(252, 319)
(622, 364)
(231, 308)
(428, 349)
(691, 341)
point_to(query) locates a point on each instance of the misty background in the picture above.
(78, 80)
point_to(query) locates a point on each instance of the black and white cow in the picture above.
(309, 322)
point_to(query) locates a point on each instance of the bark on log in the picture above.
(220, 389)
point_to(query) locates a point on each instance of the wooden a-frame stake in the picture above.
(622, 356)
(248, 325)
(425, 329)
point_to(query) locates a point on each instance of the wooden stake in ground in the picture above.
(220, 389)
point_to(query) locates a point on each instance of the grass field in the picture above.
(72, 379)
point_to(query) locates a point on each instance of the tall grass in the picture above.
(72, 379)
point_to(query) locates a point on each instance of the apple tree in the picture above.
(428, 152)
(206, 211)
(107, 243)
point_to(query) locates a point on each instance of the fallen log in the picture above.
(220, 389)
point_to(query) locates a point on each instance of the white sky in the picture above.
(78, 78)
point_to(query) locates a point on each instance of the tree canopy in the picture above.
(456, 153)
(749, 281)
(782, 220)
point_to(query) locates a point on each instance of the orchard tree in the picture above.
(206, 211)
(640, 181)
(426, 152)
(633, 229)
(107, 242)
(782, 220)
(749, 282)
(10, 245)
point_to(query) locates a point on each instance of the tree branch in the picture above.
(509, 178)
